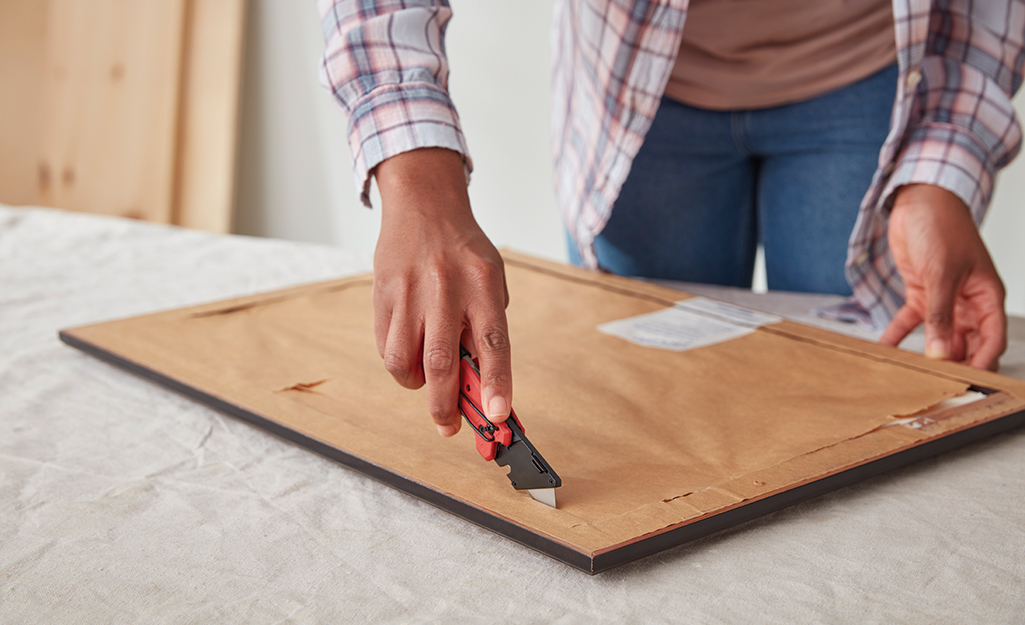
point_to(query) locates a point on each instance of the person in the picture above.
(642, 113)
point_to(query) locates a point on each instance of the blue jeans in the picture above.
(708, 186)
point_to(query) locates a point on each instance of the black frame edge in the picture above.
(579, 560)
(747, 512)
(547, 546)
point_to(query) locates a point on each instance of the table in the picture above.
(123, 502)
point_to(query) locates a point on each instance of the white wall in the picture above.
(1004, 227)
(295, 178)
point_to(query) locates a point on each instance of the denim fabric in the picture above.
(708, 186)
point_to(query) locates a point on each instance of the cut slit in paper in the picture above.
(929, 416)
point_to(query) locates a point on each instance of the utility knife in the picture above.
(504, 442)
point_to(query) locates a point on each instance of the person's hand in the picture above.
(438, 280)
(949, 279)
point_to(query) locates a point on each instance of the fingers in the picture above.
(490, 332)
(980, 343)
(420, 324)
(382, 320)
(993, 336)
(959, 342)
(402, 348)
(939, 317)
(902, 324)
(441, 369)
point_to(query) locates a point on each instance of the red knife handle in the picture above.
(489, 435)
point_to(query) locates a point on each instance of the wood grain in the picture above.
(111, 105)
(208, 131)
(122, 107)
(22, 52)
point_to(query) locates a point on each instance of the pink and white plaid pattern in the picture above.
(385, 64)
(953, 123)
(953, 126)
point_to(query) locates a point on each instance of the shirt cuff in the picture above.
(963, 129)
(398, 118)
(946, 156)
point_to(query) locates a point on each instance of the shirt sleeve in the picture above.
(385, 64)
(963, 127)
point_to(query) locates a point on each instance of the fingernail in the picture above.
(447, 430)
(937, 349)
(498, 408)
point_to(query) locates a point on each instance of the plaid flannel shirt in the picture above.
(953, 124)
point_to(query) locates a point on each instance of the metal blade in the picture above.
(544, 495)
(527, 469)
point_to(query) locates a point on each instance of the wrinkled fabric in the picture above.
(123, 502)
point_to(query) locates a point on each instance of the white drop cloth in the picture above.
(123, 502)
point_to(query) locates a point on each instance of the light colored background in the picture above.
(295, 178)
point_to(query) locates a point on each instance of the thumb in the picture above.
(939, 318)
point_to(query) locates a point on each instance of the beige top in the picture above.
(742, 54)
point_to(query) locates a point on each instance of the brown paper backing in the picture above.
(654, 447)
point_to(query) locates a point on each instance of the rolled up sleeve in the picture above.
(385, 64)
(963, 126)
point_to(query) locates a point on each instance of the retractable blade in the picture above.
(505, 442)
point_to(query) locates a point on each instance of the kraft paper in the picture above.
(644, 439)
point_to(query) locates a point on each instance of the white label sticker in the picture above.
(691, 323)
(728, 312)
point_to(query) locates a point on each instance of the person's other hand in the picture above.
(438, 280)
(950, 282)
